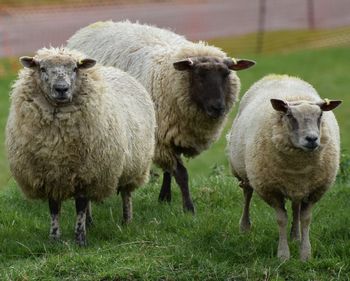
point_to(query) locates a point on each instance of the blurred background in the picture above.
(305, 38)
(26, 25)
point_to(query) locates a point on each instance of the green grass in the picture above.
(286, 40)
(164, 244)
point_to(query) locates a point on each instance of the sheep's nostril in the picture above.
(61, 89)
(311, 139)
(311, 142)
(219, 109)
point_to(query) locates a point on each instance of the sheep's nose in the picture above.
(61, 89)
(311, 139)
(216, 109)
(311, 142)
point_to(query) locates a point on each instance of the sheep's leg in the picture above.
(127, 206)
(165, 191)
(181, 177)
(295, 231)
(89, 220)
(282, 220)
(244, 223)
(81, 204)
(305, 220)
(55, 207)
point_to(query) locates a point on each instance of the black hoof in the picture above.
(189, 208)
(80, 239)
(164, 198)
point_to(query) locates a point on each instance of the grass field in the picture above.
(162, 243)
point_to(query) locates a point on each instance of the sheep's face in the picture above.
(303, 121)
(210, 82)
(57, 76)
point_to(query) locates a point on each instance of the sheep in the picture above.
(76, 130)
(284, 144)
(191, 84)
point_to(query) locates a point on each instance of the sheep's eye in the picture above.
(226, 73)
(291, 117)
(42, 69)
(75, 69)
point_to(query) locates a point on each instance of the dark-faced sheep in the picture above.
(193, 87)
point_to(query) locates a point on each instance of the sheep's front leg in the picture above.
(305, 220)
(244, 223)
(81, 204)
(165, 191)
(181, 177)
(89, 220)
(295, 231)
(127, 206)
(55, 207)
(282, 220)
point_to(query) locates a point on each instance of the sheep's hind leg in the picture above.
(165, 191)
(282, 221)
(181, 177)
(89, 220)
(55, 207)
(305, 220)
(245, 223)
(127, 206)
(295, 231)
(81, 204)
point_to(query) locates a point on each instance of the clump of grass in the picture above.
(343, 176)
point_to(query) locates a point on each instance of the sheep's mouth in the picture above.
(62, 100)
(310, 147)
(58, 101)
(215, 114)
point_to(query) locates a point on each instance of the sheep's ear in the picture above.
(185, 64)
(29, 62)
(239, 64)
(279, 105)
(328, 105)
(86, 63)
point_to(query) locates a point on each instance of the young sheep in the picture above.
(78, 130)
(191, 84)
(284, 144)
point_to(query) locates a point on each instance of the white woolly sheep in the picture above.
(78, 130)
(284, 144)
(191, 84)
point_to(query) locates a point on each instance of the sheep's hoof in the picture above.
(126, 221)
(54, 237)
(164, 198)
(305, 255)
(55, 234)
(283, 255)
(80, 239)
(244, 227)
(189, 208)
